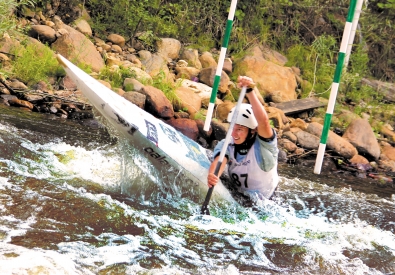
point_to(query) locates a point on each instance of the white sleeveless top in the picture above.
(248, 175)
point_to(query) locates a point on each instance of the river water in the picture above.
(75, 201)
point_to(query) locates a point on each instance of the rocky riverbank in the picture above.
(353, 150)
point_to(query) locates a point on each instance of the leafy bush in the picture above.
(316, 64)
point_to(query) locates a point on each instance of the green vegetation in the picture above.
(200, 116)
(7, 21)
(116, 77)
(307, 32)
(167, 87)
(7, 8)
(311, 28)
(34, 63)
(316, 63)
(83, 66)
(389, 6)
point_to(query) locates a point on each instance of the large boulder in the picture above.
(7, 44)
(307, 140)
(15, 84)
(136, 98)
(287, 145)
(140, 75)
(132, 84)
(186, 126)
(207, 60)
(157, 64)
(387, 133)
(67, 84)
(189, 100)
(168, 48)
(187, 72)
(360, 134)
(274, 56)
(202, 90)
(274, 81)
(43, 33)
(116, 39)
(387, 152)
(144, 56)
(204, 134)
(157, 103)
(83, 26)
(334, 142)
(75, 46)
(207, 76)
(191, 56)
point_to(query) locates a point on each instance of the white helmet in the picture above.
(245, 116)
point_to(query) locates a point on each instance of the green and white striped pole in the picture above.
(335, 88)
(357, 14)
(220, 65)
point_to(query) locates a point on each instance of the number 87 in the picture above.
(237, 180)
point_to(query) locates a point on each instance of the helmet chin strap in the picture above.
(243, 148)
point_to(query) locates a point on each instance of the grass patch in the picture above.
(35, 63)
(116, 76)
(167, 87)
(199, 115)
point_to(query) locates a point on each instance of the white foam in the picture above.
(61, 159)
(18, 260)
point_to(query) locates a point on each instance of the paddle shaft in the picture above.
(204, 210)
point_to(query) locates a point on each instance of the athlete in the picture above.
(252, 152)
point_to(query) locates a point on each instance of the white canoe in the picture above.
(172, 154)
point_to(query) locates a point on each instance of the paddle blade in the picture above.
(204, 210)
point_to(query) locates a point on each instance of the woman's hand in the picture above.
(245, 81)
(212, 180)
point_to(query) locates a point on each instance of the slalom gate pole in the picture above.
(204, 210)
(354, 27)
(334, 88)
(220, 65)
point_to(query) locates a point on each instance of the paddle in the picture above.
(204, 210)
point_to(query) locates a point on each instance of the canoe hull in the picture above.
(172, 154)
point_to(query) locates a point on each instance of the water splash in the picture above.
(103, 209)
